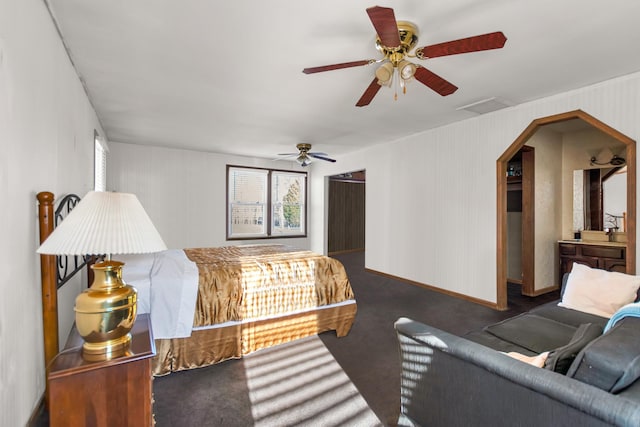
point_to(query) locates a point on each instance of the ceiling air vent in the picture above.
(485, 106)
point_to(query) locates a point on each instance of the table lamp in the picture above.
(105, 223)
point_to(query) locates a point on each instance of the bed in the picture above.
(208, 305)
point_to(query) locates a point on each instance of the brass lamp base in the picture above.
(97, 352)
(105, 313)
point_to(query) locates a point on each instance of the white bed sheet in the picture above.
(167, 285)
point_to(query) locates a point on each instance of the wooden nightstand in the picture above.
(117, 392)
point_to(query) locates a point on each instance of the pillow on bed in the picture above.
(598, 292)
(136, 266)
(136, 272)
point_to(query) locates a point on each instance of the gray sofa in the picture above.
(589, 378)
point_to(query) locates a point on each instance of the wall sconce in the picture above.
(615, 161)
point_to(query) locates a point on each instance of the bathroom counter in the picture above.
(594, 243)
(610, 256)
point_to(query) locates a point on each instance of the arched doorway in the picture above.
(501, 164)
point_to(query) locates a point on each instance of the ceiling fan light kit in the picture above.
(304, 160)
(395, 40)
(406, 69)
(384, 74)
(304, 156)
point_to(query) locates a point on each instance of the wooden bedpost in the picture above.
(49, 272)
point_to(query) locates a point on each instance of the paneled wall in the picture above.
(436, 223)
(346, 216)
(184, 192)
(46, 143)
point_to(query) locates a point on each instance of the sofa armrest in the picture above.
(448, 380)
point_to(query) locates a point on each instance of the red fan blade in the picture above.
(384, 21)
(368, 94)
(317, 156)
(434, 81)
(470, 44)
(338, 66)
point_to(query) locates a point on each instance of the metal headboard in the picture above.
(68, 265)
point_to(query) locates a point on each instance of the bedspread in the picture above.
(260, 281)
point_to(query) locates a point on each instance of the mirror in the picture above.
(600, 199)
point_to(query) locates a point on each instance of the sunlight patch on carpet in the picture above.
(301, 384)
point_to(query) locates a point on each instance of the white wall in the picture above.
(431, 221)
(184, 192)
(447, 238)
(46, 143)
(548, 206)
(434, 223)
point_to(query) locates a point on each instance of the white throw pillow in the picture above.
(598, 292)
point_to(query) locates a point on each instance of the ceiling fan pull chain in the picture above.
(395, 95)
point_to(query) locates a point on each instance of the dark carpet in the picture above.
(369, 354)
(218, 395)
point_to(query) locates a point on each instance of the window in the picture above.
(99, 163)
(265, 203)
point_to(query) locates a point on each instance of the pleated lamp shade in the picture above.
(105, 223)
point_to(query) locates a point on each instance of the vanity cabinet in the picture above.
(605, 257)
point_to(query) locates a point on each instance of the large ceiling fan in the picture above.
(396, 40)
(304, 156)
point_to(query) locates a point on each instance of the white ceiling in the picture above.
(227, 76)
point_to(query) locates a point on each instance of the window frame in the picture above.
(100, 155)
(269, 211)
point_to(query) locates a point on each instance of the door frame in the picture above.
(501, 178)
(527, 246)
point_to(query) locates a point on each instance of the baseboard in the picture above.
(541, 291)
(345, 251)
(479, 301)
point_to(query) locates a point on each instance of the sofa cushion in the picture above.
(612, 361)
(597, 291)
(534, 333)
(491, 341)
(567, 316)
(560, 359)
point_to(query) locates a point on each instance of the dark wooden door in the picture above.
(346, 216)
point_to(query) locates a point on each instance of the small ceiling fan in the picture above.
(395, 40)
(303, 156)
